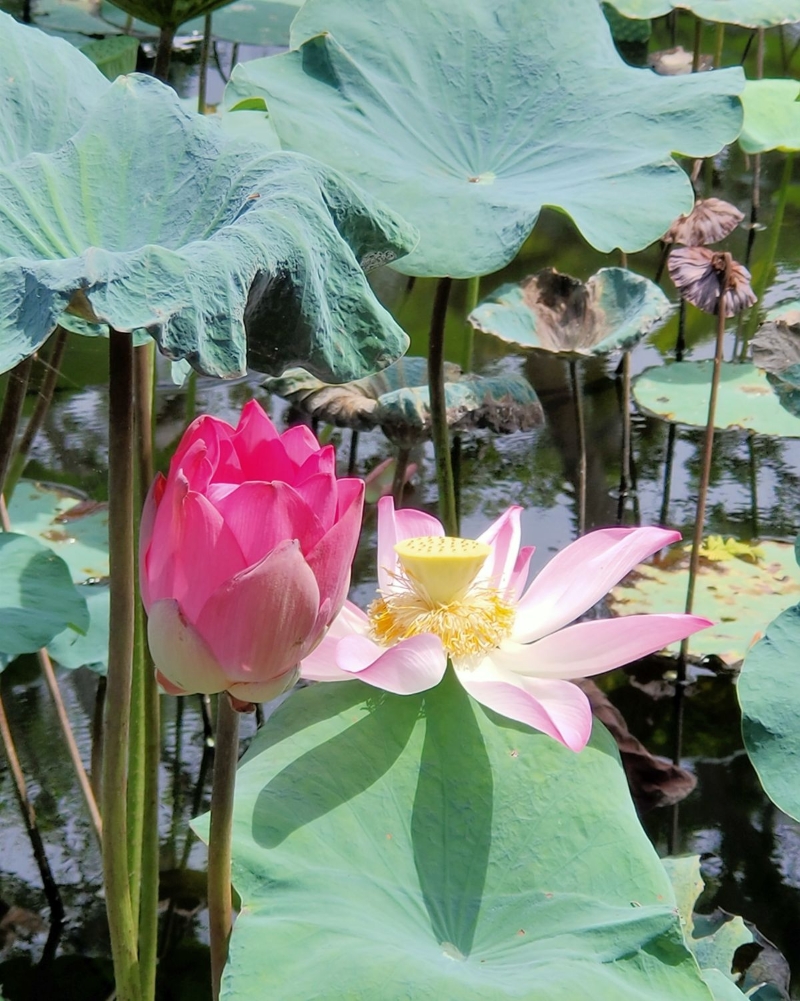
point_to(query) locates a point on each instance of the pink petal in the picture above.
(410, 666)
(258, 623)
(323, 461)
(593, 647)
(216, 438)
(580, 575)
(181, 656)
(320, 493)
(332, 557)
(320, 664)
(519, 575)
(255, 692)
(149, 511)
(504, 537)
(263, 515)
(393, 527)
(299, 443)
(557, 708)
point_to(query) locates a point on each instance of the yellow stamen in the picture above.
(435, 593)
(444, 567)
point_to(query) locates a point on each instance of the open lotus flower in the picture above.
(245, 555)
(512, 649)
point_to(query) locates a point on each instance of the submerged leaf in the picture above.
(710, 221)
(700, 274)
(771, 116)
(554, 312)
(153, 218)
(468, 117)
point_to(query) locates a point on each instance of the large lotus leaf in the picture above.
(113, 56)
(613, 311)
(468, 117)
(748, 13)
(76, 530)
(168, 13)
(679, 393)
(769, 694)
(46, 90)
(150, 217)
(37, 597)
(421, 847)
(771, 115)
(713, 938)
(73, 650)
(740, 594)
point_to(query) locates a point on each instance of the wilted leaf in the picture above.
(771, 116)
(699, 275)
(679, 393)
(776, 346)
(554, 312)
(468, 117)
(46, 90)
(677, 61)
(710, 221)
(738, 596)
(748, 13)
(153, 218)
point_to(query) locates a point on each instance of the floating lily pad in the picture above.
(710, 221)
(769, 694)
(554, 312)
(713, 938)
(153, 218)
(748, 13)
(468, 117)
(397, 401)
(37, 598)
(738, 595)
(75, 529)
(771, 116)
(46, 90)
(422, 847)
(679, 393)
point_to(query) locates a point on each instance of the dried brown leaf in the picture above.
(710, 221)
(699, 274)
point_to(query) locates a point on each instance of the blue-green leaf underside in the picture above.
(469, 117)
(748, 13)
(153, 218)
(421, 847)
(771, 116)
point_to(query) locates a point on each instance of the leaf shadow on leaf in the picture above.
(451, 823)
(359, 756)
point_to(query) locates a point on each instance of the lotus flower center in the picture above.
(436, 592)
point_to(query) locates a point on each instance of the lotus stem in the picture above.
(352, 457)
(190, 402)
(665, 248)
(580, 424)
(40, 411)
(220, 906)
(120, 667)
(753, 470)
(29, 819)
(16, 388)
(719, 45)
(439, 429)
(669, 460)
(698, 44)
(166, 37)
(705, 475)
(625, 472)
(680, 340)
(202, 78)
(399, 478)
(147, 717)
(96, 766)
(471, 298)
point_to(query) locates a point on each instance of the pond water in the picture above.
(750, 851)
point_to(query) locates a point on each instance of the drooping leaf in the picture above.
(771, 116)
(153, 218)
(713, 938)
(710, 221)
(422, 847)
(37, 597)
(612, 311)
(46, 90)
(769, 693)
(679, 393)
(739, 595)
(748, 13)
(699, 274)
(468, 117)
(114, 55)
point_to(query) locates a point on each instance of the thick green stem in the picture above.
(43, 401)
(719, 45)
(135, 791)
(471, 297)
(439, 430)
(220, 907)
(16, 388)
(698, 44)
(202, 80)
(164, 52)
(120, 666)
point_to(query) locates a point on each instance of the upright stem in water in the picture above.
(471, 301)
(16, 388)
(203, 68)
(166, 37)
(580, 423)
(625, 472)
(220, 907)
(120, 665)
(439, 430)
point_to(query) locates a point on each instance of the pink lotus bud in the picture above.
(245, 554)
